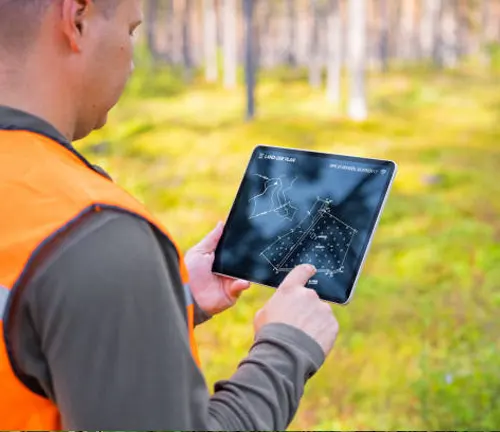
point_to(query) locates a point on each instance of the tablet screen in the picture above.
(295, 207)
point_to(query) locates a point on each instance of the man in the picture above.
(96, 300)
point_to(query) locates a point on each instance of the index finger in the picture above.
(300, 275)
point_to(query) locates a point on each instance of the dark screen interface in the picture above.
(295, 207)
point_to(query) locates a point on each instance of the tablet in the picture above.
(295, 207)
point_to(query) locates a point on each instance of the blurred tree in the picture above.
(210, 40)
(264, 21)
(303, 34)
(461, 26)
(250, 79)
(485, 30)
(356, 51)
(407, 30)
(384, 34)
(450, 16)
(170, 32)
(334, 61)
(197, 35)
(314, 49)
(229, 43)
(291, 24)
(428, 24)
(372, 35)
(187, 59)
(395, 29)
(151, 14)
(437, 42)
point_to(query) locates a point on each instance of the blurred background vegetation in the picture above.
(415, 81)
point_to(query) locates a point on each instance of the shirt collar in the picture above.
(14, 119)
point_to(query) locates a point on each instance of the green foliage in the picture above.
(418, 344)
(494, 53)
(462, 390)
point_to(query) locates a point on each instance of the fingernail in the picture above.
(312, 269)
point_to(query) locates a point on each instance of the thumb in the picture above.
(299, 276)
(209, 243)
(237, 287)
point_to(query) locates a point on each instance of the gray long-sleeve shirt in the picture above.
(101, 331)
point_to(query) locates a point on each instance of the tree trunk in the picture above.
(198, 33)
(407, 33)
(170, 32)
(314, 53)
(449, 34)
(151, 15)
(229, 43)
(291, 23)
(210, 41)
(461, 9)
(437, 48)
(272, 59)
(486, 10)
(186, 40)
(395, 30)
(263, 20)
(384, 35)
(427, 28)
(334, 31)
(356, 54)
(248, 9)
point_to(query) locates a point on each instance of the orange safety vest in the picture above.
(45, 189)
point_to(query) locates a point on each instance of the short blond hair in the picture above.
(20, 21)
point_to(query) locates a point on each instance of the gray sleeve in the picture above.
(103, 333)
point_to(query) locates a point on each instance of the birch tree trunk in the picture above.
(248, 9)
(314, 53)
(334, 31)
(229, 43)
(357, 108)
(210, 40)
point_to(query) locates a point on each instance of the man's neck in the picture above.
(19, 91)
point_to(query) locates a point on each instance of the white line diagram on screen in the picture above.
(320, 238)
(273, 199)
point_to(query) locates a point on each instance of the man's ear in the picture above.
(75, 14)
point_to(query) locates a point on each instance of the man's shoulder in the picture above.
(95, 233)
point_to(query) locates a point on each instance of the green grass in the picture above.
(418, 347)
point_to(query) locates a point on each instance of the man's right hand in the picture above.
(300, 307)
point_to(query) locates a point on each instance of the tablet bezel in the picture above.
(347, 158)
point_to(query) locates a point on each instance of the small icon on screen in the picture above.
(383, 172)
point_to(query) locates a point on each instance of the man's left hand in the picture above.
(213, 293)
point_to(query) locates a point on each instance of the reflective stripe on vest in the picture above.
(45, 188)
(4, 295)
